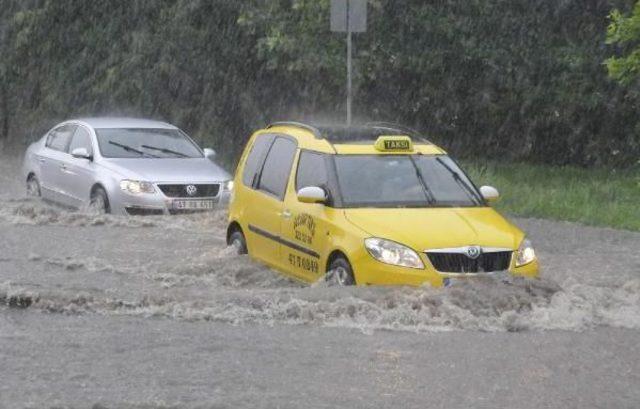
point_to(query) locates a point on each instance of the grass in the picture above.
(597, 197)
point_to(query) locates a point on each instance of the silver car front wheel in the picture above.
(99, 203)
(33, 187)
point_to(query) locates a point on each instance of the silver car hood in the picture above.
(187, 170)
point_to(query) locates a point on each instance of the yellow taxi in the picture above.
(368, 205)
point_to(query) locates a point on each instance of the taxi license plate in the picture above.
(501, 276)
(193, 204)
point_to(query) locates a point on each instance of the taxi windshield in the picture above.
(404, 181)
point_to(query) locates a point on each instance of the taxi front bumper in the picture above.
(369, 271)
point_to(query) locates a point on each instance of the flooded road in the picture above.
(156, 312)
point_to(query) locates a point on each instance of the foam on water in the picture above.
(251, 294)
(217, 285)
(32, 211)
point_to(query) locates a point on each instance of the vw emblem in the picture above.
(474, 252)
(191, 190)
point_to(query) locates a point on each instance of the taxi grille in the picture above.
(461, 263)
(210, 190)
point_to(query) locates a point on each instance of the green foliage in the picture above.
(625, 32)
(596, 197)
(508, 79)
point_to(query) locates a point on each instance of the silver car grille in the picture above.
(190, 190)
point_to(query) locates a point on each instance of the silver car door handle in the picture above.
(285, 214)
(41, 160)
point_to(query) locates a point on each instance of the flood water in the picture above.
(95, 300)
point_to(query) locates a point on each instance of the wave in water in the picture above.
(479, 305)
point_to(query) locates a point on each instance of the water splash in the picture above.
(34, 211)
(217, 285)
(254, 296)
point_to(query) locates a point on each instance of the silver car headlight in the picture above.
(390, 252)
(227, 186)
(525, 253)
(136, 186)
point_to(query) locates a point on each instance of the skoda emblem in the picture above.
(474, 252)
(191, 190)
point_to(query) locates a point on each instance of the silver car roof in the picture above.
(115, 122)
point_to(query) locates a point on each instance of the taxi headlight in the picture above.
(525, 253)
(136, 186)
(390, 252)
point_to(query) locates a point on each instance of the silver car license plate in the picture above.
(193, 204)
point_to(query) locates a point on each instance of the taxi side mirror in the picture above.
(490, 194)
(312, 194)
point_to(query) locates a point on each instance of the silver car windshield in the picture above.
(404, 181)
(145, 143)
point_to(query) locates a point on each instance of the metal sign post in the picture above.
(349, 69)
(349, 16)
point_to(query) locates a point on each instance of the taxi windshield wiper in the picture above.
(456, 176)
(165, 150)
(131, 149)
(427, 190)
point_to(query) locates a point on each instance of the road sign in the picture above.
(349, 15)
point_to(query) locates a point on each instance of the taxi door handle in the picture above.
(285, 214)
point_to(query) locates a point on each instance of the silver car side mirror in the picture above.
(81, 153)
(490, 193)
(312, 194)
(209, 153)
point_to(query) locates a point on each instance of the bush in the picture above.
(508, 79)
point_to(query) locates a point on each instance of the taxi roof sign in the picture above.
(394, 143)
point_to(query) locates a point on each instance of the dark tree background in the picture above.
(516, 79)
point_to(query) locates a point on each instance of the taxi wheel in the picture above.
(238, 242)
(340, 273)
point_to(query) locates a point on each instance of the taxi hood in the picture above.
(433, 228)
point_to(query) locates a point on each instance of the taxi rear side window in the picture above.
(255, 159)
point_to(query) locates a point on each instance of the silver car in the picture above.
(125, 166)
